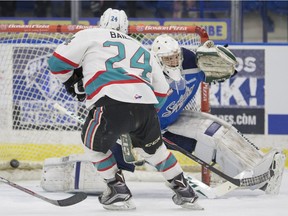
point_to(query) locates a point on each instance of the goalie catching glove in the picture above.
(217, 62)
(74, 85)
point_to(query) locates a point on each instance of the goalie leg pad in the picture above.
(218, 141)
(192, 125)
(71, 176)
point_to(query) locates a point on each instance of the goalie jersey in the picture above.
(183, 92)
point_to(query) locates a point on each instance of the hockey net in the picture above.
(31, 130)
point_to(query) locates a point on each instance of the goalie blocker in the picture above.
(217, 141)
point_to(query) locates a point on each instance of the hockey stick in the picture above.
(76, 198)
(69, 113)
(242, 182)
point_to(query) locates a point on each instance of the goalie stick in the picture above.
(76, 198)
(203, 189)
(241, 182)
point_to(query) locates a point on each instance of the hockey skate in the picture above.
(184, 194)
(117, 196)
(277, 166)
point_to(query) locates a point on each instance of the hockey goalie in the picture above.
(209, 138)
(216, 142)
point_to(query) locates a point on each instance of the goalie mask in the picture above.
(114, 19)
(169, 56)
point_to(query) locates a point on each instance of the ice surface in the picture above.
(151, 199)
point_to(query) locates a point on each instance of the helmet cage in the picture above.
(169, 56)
(172, 64)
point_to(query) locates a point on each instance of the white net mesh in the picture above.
(31, 130)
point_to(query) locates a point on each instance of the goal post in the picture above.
(31, 129)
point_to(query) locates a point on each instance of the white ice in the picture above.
(151, 199)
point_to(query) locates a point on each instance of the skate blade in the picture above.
(121, 206)
(192, 206)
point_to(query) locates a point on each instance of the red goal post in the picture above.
(31, 129)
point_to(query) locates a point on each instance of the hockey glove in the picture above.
(74, 85)
(217, 62)
(80, 91)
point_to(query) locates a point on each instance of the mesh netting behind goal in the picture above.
(31, 130)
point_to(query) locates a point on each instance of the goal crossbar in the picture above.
(144, 29)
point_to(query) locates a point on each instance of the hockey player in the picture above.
(123, 88)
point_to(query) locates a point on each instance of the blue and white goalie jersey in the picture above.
(183, 92)
(114, 65)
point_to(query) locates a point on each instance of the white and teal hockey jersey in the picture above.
(114, 65)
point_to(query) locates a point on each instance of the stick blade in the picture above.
(76, 198)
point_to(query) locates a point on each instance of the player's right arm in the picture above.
(68, 56)
(65, 64)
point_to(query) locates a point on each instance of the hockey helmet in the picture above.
(114, 19)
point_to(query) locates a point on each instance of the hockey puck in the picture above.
(14, 163)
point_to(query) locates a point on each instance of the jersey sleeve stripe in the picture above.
(158, 94)
(57, 66)
(75, 65)
(60, 72)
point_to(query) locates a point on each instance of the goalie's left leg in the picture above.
(220, 142)
(277, 166)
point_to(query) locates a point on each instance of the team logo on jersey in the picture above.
(137, 96)
(175, 105)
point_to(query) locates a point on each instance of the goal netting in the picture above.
(31, 129)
